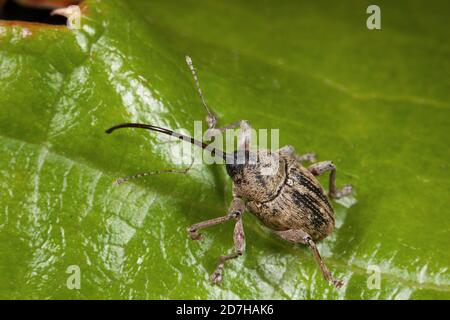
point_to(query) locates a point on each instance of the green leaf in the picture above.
(374, 101)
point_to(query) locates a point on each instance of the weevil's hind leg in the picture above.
(239, 247)
(210, 117)
(145, 174)
(321, 167)
(299, 236)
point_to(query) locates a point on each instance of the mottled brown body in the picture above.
(290, 199)
(299, 203)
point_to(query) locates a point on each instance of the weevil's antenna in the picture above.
(145, 174)
(180, 136)
(210, 118)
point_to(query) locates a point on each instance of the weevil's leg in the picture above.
(210, 118)
(323, 268)
(245, 135)
(318, 168)
(287, 150)
(193, 230)
(299, 236)
(239, 247)
(236, 209)
(307, 157)
(216, 131)
(145, 174)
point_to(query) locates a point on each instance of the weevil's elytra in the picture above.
(300, 202)
(290, 201)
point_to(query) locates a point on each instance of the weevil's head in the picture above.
(236, 162)
(256, 175)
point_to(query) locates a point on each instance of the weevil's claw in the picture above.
(216, 277)
(194, 235)
(345, 191)
(337, 283)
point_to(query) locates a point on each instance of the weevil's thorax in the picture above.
(257, 176)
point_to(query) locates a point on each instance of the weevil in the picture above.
(290, 202)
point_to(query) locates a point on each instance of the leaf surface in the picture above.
(375, 102)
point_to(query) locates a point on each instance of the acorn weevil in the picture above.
(291, 202)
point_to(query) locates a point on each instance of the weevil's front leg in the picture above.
(236, 209)
(299, 236)
(193, 230)
(318, 168)
(239, 247)
(307, 157)
(244, 137)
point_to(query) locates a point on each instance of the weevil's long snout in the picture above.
(180, 136)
